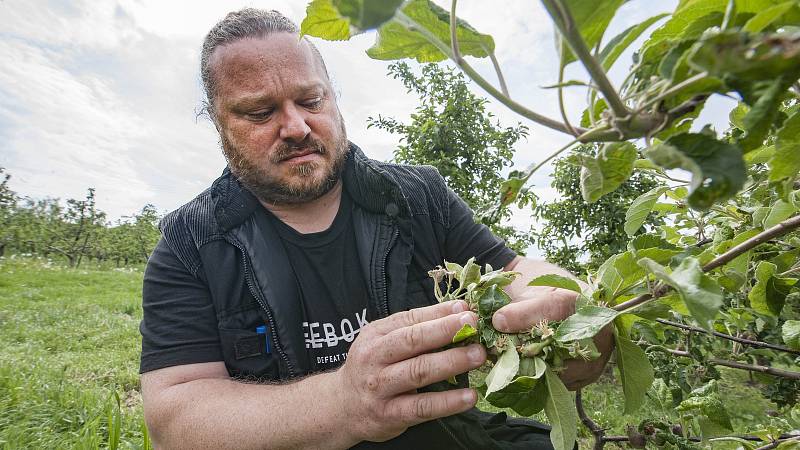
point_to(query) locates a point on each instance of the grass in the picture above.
(69, 344)
(69, 351)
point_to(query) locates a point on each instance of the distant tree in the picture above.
(452, 131)
(81, 223)
(574, 230)
(8, 206)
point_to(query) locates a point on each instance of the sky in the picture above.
(105, 94)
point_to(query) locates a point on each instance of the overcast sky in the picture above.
(104, 94)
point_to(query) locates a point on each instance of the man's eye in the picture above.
(259, 115)
(314, 103)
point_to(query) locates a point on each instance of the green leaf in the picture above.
(769, 293)
(585, 323)
(605, 173)
(791, 334)
(599, 106)
(700, 293)
(706, 401)
(591, 19)
(504, 370)
(396, 41)
(635, 372)
(493, 299)
(525, 395)
(718, 170)
(641, 208)
(466, 332)
(786, 161)
(759, 67)
(619, 273)
(556, 281)
(561, 412)
(620, 42)
(367, 14)
(470, 274)
(323, 20)
(767, 17)
(778, 212)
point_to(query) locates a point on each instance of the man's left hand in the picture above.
(532, 304)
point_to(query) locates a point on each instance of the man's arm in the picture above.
(371, 397)
(531, 304)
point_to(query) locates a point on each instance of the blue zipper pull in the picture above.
(263, 330)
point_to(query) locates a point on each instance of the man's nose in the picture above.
(293, 124)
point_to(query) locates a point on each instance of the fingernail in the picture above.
(469, 397)
(459, 306)
(466, 318)
(475, 354)
(500, 322)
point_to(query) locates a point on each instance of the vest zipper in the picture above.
(450, 433)
(257, 295)
(383, 271)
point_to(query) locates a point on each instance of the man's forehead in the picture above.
(273, 51)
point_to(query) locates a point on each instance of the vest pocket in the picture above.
(249, 354)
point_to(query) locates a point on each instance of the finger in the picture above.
(418, 315)
(410, 341)
(551, 304)
(431, 367)
(418, 408)
(578, 373)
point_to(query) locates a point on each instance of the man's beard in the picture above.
(269, 189)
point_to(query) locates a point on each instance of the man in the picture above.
(288, 305)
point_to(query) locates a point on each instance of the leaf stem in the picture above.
(500, 78)
(561, 101)
(674, 89)
(566, 26)
(748, 342)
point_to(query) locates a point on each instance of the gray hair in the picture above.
(238, 25)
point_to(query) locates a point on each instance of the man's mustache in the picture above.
(289, 150)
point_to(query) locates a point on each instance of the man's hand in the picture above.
(531, 304)
(393, 357)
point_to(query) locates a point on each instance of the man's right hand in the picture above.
(393, 357)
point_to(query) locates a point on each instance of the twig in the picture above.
(566, 26)
(748, 342)
(777, 442)
(597, 432)
(476, 77)
(561, 102)
(778, 230)
(737, 365)
(674, 89)
(499, 72)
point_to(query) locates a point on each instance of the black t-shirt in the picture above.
(333, 292)
(182, 326)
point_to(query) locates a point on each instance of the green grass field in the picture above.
(69, 347)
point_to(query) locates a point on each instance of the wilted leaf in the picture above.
(395, 41)
(556, 281)
(635, 372)
(585, 323)
(769, 293)
(605, 173)
(561, 412)
(641, 208)
(717, 168)
(466, 332)
(504, 370)
(493, 299)
(700, 293)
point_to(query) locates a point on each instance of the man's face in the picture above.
(279, 125)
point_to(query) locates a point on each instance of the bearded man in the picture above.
(288, 306)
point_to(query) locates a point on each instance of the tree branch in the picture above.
(597, 432)
(566, 26)
(778, 230)
(737, 365)
(748, 342)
